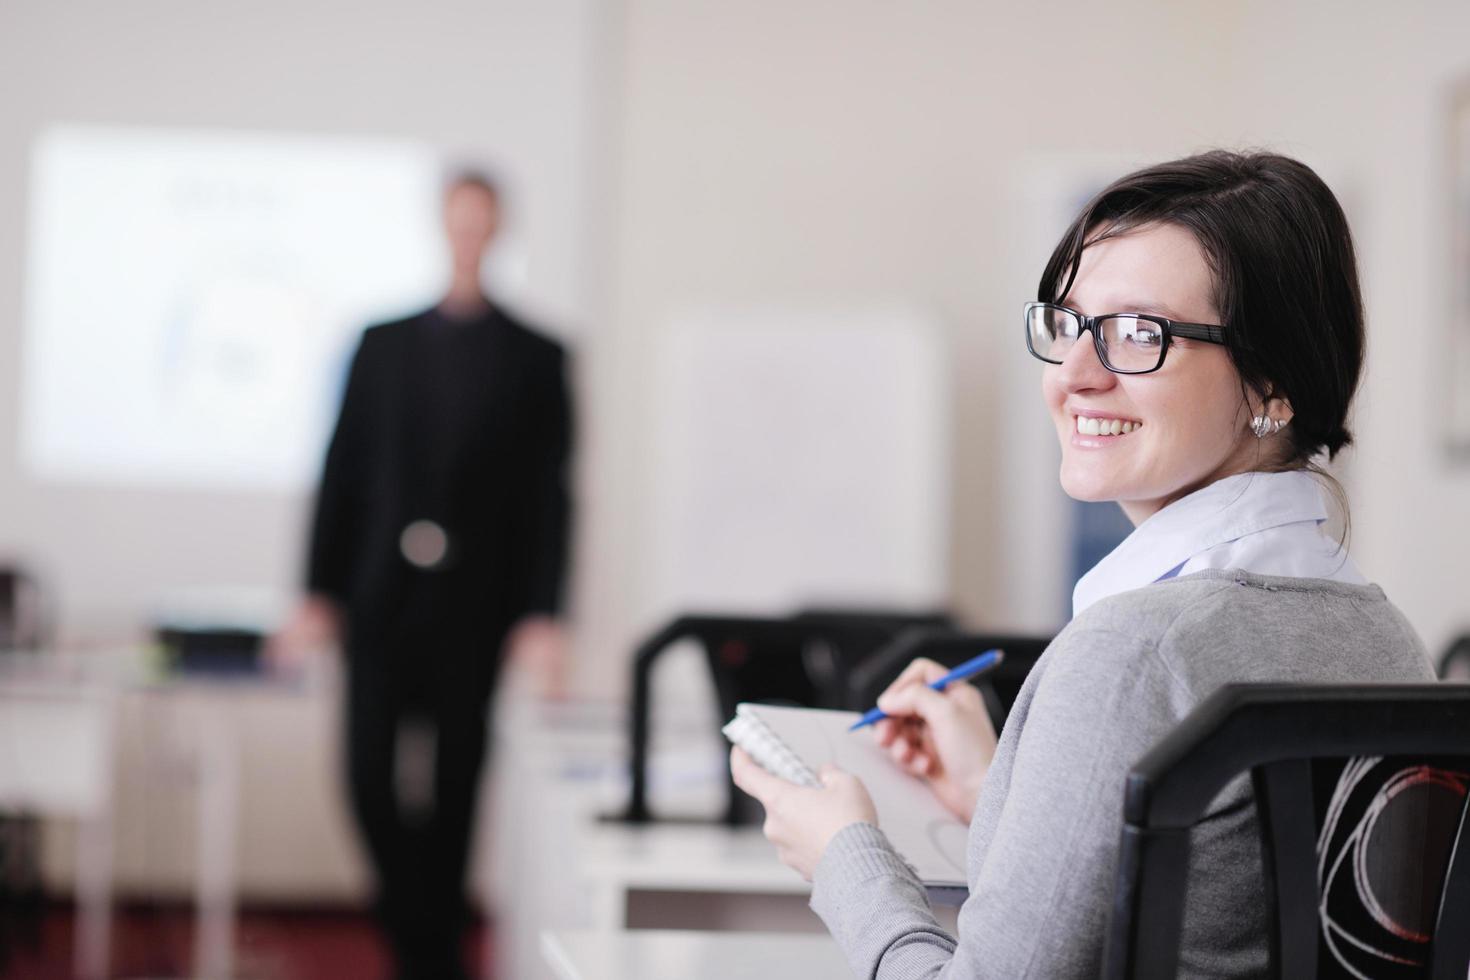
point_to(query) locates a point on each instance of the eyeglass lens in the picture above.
(1129, 344)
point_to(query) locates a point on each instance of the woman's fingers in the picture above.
(903, 731)
(918, 699)
(917, 757)
(967, 695)
(931, 671)
(910, 749)
(920, 671)
(749, 776)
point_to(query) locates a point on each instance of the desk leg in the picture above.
(94, 897)
(610, 906)
(214, 936)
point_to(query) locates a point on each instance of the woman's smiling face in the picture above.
(1180, 428)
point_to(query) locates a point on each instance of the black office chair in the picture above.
(1454, 665)
(951, 648)
(850, 638)
(22, 612)
(23, 629)
(802, 659)
(1387, 828)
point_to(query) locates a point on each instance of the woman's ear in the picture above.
(1278, 408)
(1272, 404)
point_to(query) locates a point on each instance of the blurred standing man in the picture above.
(440, 539)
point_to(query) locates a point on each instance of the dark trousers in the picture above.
(439, 685)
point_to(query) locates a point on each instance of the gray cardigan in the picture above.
(1044, 838)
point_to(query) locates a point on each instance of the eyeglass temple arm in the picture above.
(1198, 331)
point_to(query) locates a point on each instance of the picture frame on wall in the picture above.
(1457, 354)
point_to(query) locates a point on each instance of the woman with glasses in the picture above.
(1202, 333)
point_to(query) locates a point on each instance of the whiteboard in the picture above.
(800, 458)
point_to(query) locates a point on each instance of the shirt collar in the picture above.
(1224, 511)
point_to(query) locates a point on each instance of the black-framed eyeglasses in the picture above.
(1126, 343)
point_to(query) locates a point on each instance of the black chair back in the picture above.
(802, 660)
(22, 896)
(21, 626)
(1360, 792)
(849, 638)
(1454, 665)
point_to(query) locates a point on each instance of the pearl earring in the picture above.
(1264, 425)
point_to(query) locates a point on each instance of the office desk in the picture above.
(707, 876)
(56, 759)
(554, 864)
(678, 955)
(61, 721)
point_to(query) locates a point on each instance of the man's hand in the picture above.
(538, 644)
(801, 821)
(316, 625)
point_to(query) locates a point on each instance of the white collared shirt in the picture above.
(1266, 523)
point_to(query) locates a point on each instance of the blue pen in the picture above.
(988, 660)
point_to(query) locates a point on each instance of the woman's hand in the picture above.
(945, 737)
(801, 821)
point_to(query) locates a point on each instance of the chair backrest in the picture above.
(950, 648)
(851, 638)
(1361, 797)
(1454, 665)
(802, 659)
(21, 626)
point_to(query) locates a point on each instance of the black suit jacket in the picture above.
(468, 425)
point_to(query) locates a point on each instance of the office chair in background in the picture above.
(804, 659)
(1454, 665)
(22, 612)
(950, 648)
(22, 630)
(1361, 794)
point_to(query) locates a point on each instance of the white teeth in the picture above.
(1104, 427)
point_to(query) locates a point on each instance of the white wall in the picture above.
(1365, 86)
(872, 152)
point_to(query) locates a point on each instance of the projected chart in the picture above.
(193, 297)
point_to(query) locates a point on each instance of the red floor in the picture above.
(270, 944)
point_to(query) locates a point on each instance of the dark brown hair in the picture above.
(1285, 273)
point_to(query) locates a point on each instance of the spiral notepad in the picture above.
(794, 743)
(774, 756)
